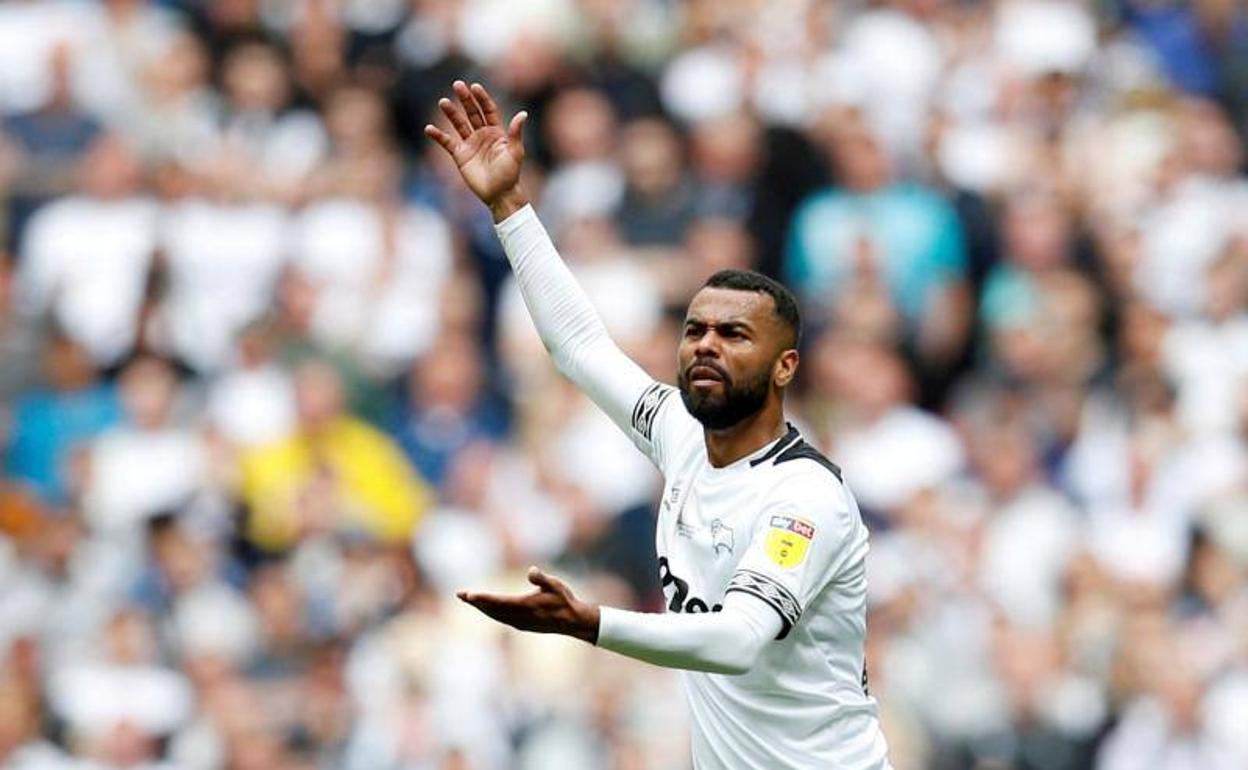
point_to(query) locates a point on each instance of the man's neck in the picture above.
(724, 447)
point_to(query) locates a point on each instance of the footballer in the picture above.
(761, 546)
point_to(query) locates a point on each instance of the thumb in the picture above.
(548, 583)
(516, 127)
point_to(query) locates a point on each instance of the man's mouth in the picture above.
(703, 374)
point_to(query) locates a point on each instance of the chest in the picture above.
(705, 524)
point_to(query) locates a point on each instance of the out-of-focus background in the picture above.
(269, 395)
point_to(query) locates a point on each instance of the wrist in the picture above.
(508, 203)
(591, 621)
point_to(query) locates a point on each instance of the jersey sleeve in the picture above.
(582, 350)
(800, 545)
(659, 424)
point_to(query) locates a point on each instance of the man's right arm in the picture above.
(574, 334)
(489, 160)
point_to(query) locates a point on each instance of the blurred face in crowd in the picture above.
(449, 377)
(719, 243)
(1141, 334)
(1037, 231)
(183, 560)
(255, 345)
(732, 355)
(860, 159)
(871, 377)
(296, 299)
(726, 149)
(371, 176)
(110, 169)
(66, 364)
(581, 124)
(318, 395)
(279, 605)
(1005, 458)
(129, 638)
(652, 156)
(148, 390)
(1207, 139)
(183, 68)
(255, 78)
(356, 120)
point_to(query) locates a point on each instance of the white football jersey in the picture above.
(782, 526)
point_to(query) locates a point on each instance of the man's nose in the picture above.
(707, 345)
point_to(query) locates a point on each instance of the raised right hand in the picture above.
(488, 157)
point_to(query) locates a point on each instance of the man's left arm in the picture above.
(726, 642)
(798, 545)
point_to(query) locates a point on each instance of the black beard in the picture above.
(717, 412)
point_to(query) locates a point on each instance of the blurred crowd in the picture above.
(268, 395)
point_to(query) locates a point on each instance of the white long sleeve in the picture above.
(566, 321)
(724, 642)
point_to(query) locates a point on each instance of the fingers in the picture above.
(442, 138)
(479, 599)
(457, 118)
(514, 129)
(469, 103)
(548, 582)
(490, 606)
(488, 108)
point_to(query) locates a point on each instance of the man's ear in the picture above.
(785, 368)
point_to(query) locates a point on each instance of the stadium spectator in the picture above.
(333, 473)
(85, 257)
(876, 232)
(148, 463)
(52, 423)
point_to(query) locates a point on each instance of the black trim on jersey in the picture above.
(647, 407)
(779, 446)
(764, 587)
(802, 450)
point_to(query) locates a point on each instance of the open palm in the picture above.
(488, 156)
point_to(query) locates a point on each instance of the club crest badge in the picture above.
(721, 537)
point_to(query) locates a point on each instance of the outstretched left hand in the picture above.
(551, 609)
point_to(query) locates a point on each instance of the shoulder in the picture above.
(659, 418)
(793, 457)
(360, 436)
(55, 214)
(801, 476)
(808, 505)
(646, 409)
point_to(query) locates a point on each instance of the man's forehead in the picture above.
(719, 305)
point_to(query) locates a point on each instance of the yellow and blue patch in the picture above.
(788, 539)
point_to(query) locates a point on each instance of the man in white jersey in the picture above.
(761, 546)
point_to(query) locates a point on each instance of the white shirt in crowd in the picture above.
(138, 473)
(224, 260)
(86, 260)
(390, 315)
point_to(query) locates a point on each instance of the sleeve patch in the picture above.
(788, 540)
(647, 408)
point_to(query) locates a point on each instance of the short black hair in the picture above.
(750, 280)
